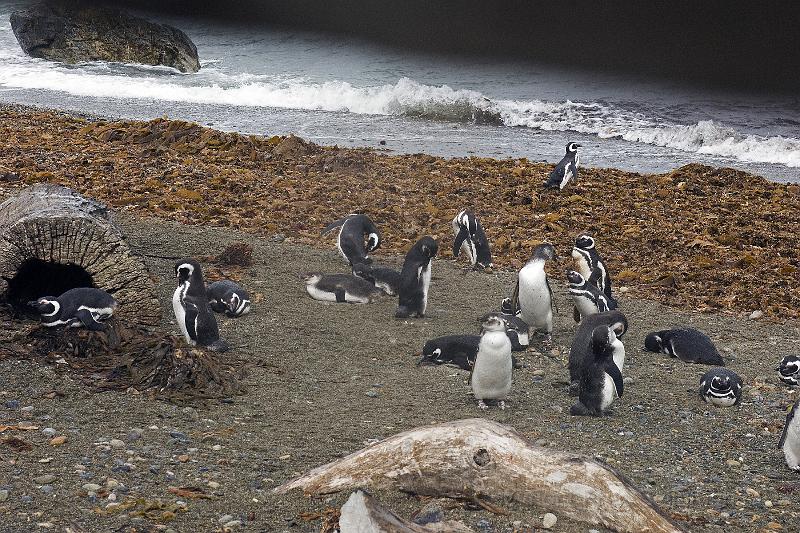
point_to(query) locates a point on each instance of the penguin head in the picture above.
(493, 322)
(544, 251)
(428, 247)
(584, 242)
(46, 305)
(789, 369)
(373, 242)
(572, 148)
(311, 277)
(186, 269)
(507, 306)
(363, 271)
(721, 383)
(602, 339)
(575, 278)
(653, 342)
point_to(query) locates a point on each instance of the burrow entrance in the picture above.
(36, 278)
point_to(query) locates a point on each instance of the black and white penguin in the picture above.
(386, 279)
(687, 344)
(566, 169)
(532, 294)
(586, 258)
(471, 239)
(192, 310)
(518, 332)
(581, 352)
(587, 297)
(507, 307)
(350, 242)
(340, 288)
(790, 439)
(721, 387)
(228, 297)
(457, 350)
(491, 374)
(83, 306)
(789, 370)
(600, 381)
(415, 279)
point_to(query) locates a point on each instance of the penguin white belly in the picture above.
(609, 392)
(491, 376)
(339, 244)
(721, 401)
(619, 354)
(581, 264)
(534, 298)
(424, 275)
(243, 308)
(791, 446)
(584, 306)
(325, 296)
(180, 313)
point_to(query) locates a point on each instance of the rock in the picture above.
(27, 409)
(50, 432)
(91, 487)
(213, 484)
(183, 458)
(12, 404)
(47, 489)
(58, 441)
(224, 519)
(3, 495)
(135, 434)
(755, 315)
(430, 513)
(372, 393)
(190, 413)
(116, 443)
(549, 520)
(45, 479)
(232, 524)
(74, 32)
(752, 492)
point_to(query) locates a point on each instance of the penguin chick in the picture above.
(601, 380)
(687, 344)
(340, 288)
(491, 375)
(532, 294)
(386, 279)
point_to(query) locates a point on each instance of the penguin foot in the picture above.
(502, 405)
(482, 405)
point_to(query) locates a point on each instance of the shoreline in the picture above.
(714, 240)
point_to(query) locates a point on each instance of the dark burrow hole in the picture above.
(36, 278)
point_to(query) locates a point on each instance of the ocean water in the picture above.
(338, 90)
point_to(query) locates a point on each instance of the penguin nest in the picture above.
(127, 357)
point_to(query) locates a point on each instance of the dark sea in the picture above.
(349, 92)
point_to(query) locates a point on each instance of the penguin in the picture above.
(470, 237)
(581, 352)
(518, 332)
(386, 279)
(587, 297)
(789, 370)
(721, 387)
(491, 374)
(687, 344)
(228, 297)
(350, 241)
(192, 310)
(457, 350)
(82, 306)
(790, 439)
(415, 279)
(340, 288)
(587, 260)
(507, 307)
(601, 379)
(533, 295)
(566, 169)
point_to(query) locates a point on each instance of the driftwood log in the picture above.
(53, 239)
(364, 514)
(481, 458)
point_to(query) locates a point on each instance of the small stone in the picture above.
(112, 484)
(3, 495)
(50, 432)
(44, 479)
(58, 441)
(113, 505)
(213, 484)
(12, 404)
(768, 503)
(549, 520)
(45, 525)
(216, 447)
(27, 409)
(135, 434)
(537, 372)
(190, 413)
(372, 393)
(47, 489)
(26, 498)
(116, 443)
(733, 462)
(155, 469)
(627, 380)
(724, 515)
(112, 497)
(91, 487)
(232, 524)
(224, 519)
(755, 315)
(177, 435)
(752, 492)
(774, 526)
(183, 458)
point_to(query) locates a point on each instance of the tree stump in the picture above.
(53, 239)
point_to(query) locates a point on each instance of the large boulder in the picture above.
(74, 32)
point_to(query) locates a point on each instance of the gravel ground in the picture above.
(327, 379)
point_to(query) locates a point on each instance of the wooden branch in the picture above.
(364, 514)
(478, 457)
(57, 225)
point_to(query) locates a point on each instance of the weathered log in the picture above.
(364, 514)
(478, 457)
(53, 239)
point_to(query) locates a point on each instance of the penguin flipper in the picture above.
(88, 320)
(553, 304)
(341, 295)
(463, 234)
(576, 315)
(595, 277)
(613, 371)
(515, 297)
(333, 225)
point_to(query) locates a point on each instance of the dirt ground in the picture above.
(312, 365)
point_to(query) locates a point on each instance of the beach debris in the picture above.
(465, 458)
(364, 514)
(237, 254)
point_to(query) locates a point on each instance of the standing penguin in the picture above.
(581, 352)
(588, 299)
(228, 297)
(415, 279)
(532, 294)
(687, 344)
(470, 237)
(82, 306)
(192, 310)
(721, 387)
(790, 439)
(386, 279)
(491, 375)
(789, 370)
(566, 169)
(587, 260)
(350, 242)
(601, 379)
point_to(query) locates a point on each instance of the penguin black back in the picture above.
(581, 352)
(415, 279)
(687, 344)
(350, 242)
(600, 380)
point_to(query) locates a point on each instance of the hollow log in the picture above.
(53, 239)
(364, 514)
(478, 457)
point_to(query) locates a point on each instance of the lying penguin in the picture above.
(228, 297)
(582, 351)
(386, 279)
(340, 288)
(790, 439)
(192, 310)
(471, 239)
(586, 296)
(491, 375)
(687, 344)
(457, 350)
(789, 370)
(601, 379)
(83, 306)
(721, 387)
